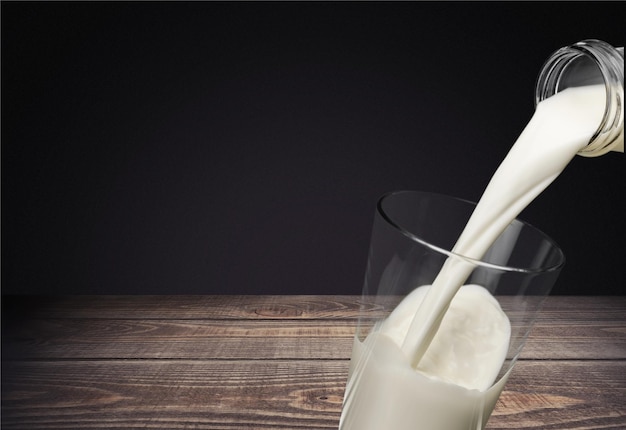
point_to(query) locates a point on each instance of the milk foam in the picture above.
(471, 343)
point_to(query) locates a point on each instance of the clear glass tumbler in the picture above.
(411, 240)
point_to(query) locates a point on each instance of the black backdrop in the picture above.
(241, 147)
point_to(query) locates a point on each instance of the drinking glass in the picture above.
(412, 237)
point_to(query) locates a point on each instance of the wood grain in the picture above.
(226, 307)
(222, 307)
(287, 339)
(277, 394)
(269, 362)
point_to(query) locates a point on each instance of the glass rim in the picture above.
(480, 263)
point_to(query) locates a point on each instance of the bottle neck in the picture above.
(590, 62)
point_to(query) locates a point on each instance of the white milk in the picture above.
(458, 370)
(560, 127)
(401, 376)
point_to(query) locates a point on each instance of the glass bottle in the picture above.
(590, 62)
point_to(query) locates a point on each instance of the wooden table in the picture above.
(269, 362)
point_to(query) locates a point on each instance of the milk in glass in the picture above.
(433, 363)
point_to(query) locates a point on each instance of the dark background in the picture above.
(241, 147)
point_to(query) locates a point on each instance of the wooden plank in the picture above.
(581, 340)
(563, 395)
(578, 308)
(173, 394)
(268, 339)
(124, 339)
(276, 394)
(195, 307)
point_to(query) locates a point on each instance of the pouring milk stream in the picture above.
(412, 340)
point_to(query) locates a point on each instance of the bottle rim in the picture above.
(610, 62)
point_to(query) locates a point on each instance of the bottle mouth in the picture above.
(589, 62)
